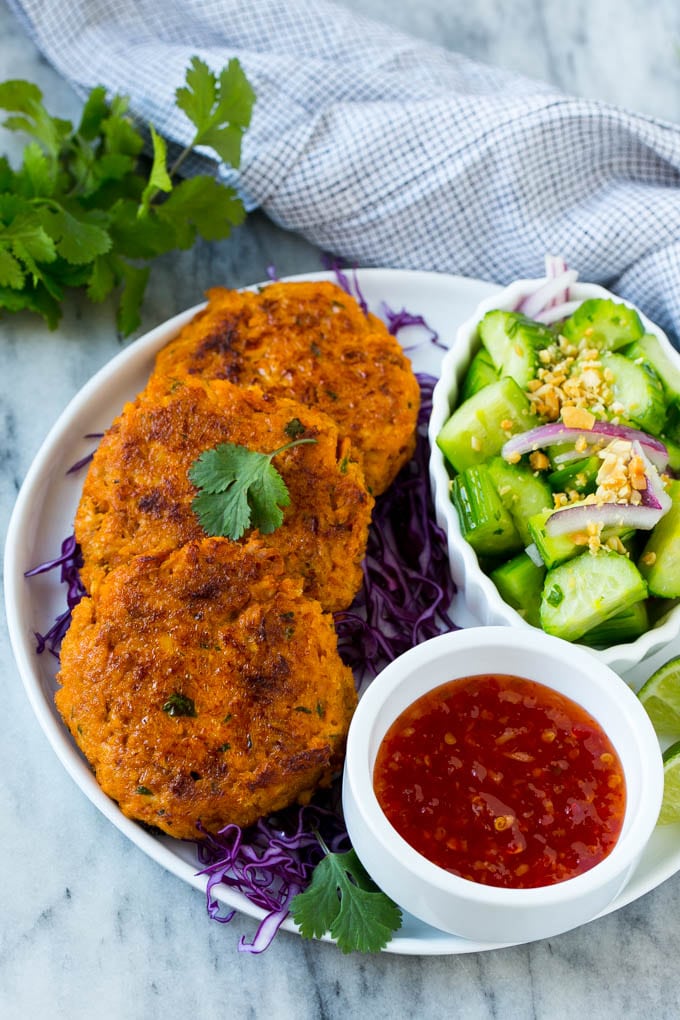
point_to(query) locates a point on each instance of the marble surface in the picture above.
(89, 926)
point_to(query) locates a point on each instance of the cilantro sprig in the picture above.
(343, 900)
(87, 209)
(238, 489)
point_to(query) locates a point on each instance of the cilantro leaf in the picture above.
(342, 899)
(220, 109)
(238, 489)
(159, 178)
(11, 273)
(135, 281)
(79, 238)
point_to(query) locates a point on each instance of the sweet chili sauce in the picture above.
(503, 781)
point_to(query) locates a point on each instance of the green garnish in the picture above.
(238, 489)
(84, 210)
(179, 704)
(144, 791)
(343, 900)
(294, 429)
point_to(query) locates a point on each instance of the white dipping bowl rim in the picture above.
(458, 905)
(482, 598)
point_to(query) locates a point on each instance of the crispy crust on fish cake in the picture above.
(313, 343)
(214, 628)
(137, 496)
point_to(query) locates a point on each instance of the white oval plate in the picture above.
(44, 513)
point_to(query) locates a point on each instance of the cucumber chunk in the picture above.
(604, 324)
(577, 476)
(638, 389)
(522, 492)
(553, 549)
(484, 521)
(512, 340)
(660, 559)
(479, 427)
(648, 349)
(625, 626)
(481, 373)
(520, 584)
(587, 590)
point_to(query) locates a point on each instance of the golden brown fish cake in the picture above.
(137, 495)
(216, 634)
(313, 343)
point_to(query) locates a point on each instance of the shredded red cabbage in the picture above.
(70, 560)
(407, 586)
(269, 863)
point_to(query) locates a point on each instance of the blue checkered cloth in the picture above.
(393, 152)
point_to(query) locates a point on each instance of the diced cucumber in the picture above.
(553, 549)
(484, 521)
(556, 549)
(522, 491)
(520, 583)
(512, 340)
(673, 448)
(620, 628)
(671, 426)
(577, 476)
(638, 389)
(479, 427)
(481, 372)
(649, 350)
(604, 324)
(660, 559)
(587, 590)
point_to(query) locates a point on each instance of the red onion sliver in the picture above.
(556, 312)
(576, 518)
(542, 298)
(557, 434)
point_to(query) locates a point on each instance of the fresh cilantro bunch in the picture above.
(86, 209)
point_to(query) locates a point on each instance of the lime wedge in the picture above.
(670, 805)
(661, 697)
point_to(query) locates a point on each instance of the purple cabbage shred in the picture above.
(407, 586)
(269, 863)
(70, 561)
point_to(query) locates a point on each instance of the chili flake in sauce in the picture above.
(503, 781)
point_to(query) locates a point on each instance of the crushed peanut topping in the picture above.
(577, 418)
(573, 377)
(538, 461)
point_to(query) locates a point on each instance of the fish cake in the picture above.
(137, 497)
(313, 343)
(204, 687)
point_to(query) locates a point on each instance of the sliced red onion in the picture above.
(558, 434)
(655, 494)
(534, 555)
(577, 517)
(553, 288)
(556, 312)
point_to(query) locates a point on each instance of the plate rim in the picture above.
(40, 478)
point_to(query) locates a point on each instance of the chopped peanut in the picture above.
(577, 418)
(539, 461)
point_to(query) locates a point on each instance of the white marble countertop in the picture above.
(89, 926)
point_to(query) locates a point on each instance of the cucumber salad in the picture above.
(563, 453)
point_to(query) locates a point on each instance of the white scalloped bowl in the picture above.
(481, 598)
(470, 909)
